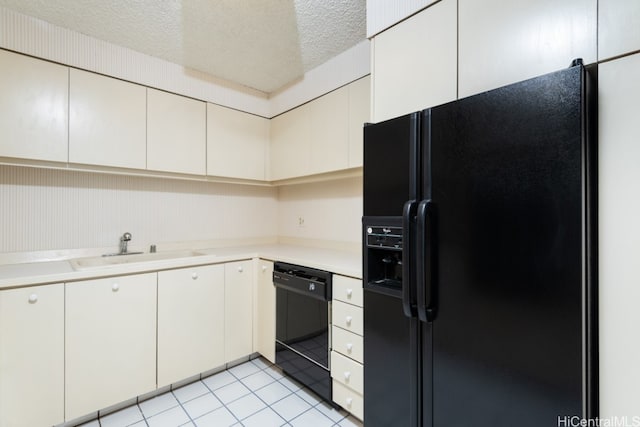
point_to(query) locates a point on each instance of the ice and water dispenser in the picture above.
(383, 253)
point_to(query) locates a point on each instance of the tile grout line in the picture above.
(267, 369)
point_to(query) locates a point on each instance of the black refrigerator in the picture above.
(479, 250)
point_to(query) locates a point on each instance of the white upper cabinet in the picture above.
(290, 153)
(359, 114)
(414, 63)
(107, 121)
(328, 135)
(505, 41)
(176, 133)
(324, 135)
(237, 143)
(33, 108)
(618, 27)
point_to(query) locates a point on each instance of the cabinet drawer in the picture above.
(347, 372)
(347, 289)
(347, 343)
(347, 317)
(348, 399)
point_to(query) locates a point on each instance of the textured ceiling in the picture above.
(262, 44)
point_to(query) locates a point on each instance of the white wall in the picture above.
(56, 209)
(332, 211)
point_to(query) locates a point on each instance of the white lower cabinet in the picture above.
(348, 383)
(265, 309)
(348, 399)
(349, 317)
(347, 343)
(347, 350)
(32, 356)
(110, 345)
(190, 322)
(238, 310)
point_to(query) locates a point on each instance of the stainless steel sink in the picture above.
(107, 261)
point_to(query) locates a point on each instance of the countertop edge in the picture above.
(338, 262)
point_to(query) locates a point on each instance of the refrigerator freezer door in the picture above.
(391, 370)
(391, 165)
(508, 181)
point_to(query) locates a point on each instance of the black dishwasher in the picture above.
(303, 304)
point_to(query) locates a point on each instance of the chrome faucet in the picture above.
(124, 240)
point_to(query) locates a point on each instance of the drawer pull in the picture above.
(240, 269)
(194, 275)
(349, 292)
(347, 375)
(348, 319)
(349, 347)
(264, 268)
(33, 298)
(115, 287)
(349, 401)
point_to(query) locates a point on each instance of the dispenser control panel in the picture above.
(384, 237)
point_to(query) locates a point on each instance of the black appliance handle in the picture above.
(408, 212)
(425, 260)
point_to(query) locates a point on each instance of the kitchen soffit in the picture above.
(261, 44)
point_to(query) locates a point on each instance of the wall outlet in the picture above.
(300, 221)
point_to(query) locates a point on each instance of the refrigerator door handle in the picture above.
(408, 213)
(426, 260)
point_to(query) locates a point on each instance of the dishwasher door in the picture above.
(302, 326)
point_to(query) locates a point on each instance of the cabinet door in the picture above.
(238, 310)
(110, 342)
(107, 121)
(32, 356)
(33, 108)
(359, 114)
(290, 151)
(506, 41)
(618, 236)
(618, 29)
(190, 322)
(415, 64)
(176, 133)
(237, 143)
(265, 320)
(329, 133)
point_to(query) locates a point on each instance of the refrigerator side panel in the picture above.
(507, 181)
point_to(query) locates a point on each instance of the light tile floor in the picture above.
(254, 393)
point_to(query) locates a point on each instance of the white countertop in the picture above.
(346, 263)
